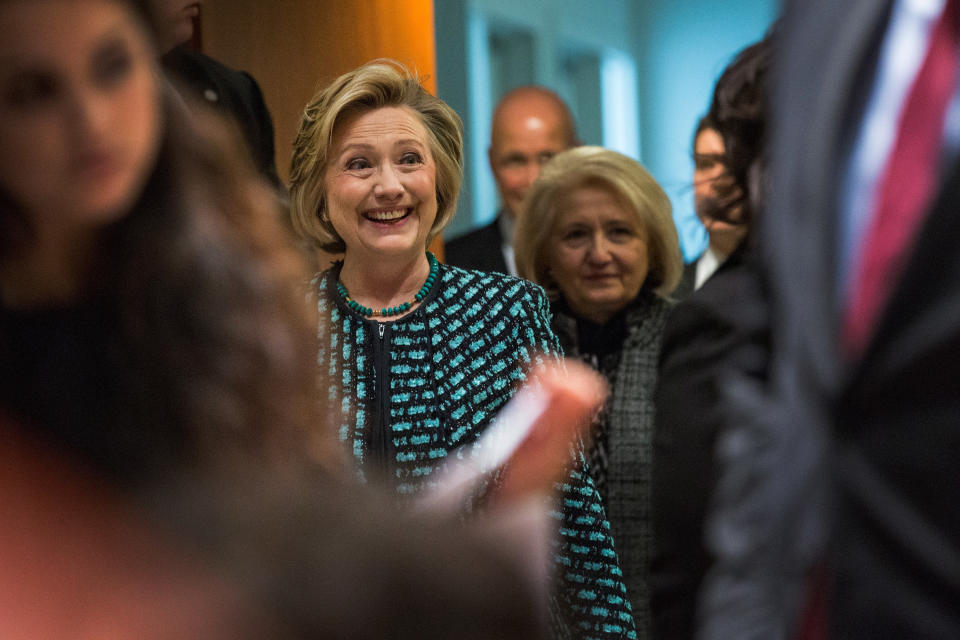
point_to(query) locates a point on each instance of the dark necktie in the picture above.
(908, 183)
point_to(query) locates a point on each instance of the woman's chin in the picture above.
(103, 197)
(98, 211)
(600, 304)
(610, 296)
(395, 246)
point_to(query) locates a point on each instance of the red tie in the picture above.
(908, 182)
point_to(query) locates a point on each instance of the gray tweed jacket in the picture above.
(630, 436)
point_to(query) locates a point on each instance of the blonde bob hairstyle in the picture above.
(629, 182)
(379, 83)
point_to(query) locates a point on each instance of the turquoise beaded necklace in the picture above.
(400, 308)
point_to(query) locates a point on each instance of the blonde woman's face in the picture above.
(381, 184)
(80, 114)
(598, 254)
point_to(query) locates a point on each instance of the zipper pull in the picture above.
(380, 329)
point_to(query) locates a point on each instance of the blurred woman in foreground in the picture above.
(165, 472)
(145, 300)
(149, 330)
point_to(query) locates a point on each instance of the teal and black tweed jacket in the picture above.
(412, 390)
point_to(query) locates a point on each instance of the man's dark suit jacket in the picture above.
(687, 279)
(883, 429)
(719, 329)
(478, 249)
(233, 92)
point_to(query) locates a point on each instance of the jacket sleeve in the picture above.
(590, 597)
(589, 584)
(532, 332)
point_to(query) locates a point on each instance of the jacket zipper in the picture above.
(381, 437)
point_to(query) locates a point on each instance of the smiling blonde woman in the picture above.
(424, 355)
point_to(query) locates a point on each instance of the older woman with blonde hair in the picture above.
(597, 233)
(422, 356)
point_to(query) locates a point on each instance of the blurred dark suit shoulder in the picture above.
(479, 249)
(687, 280)
(720, 328)
(230, 91)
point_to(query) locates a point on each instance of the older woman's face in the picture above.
(80, 115)
(381, 184)
(598, 253)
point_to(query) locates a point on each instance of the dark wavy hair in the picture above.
(213, 332)
(206, 355)
(704, 123)
(738, 111)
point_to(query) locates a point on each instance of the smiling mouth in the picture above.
(391, 215)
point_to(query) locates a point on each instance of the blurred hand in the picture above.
(571, 396)
(529, 445)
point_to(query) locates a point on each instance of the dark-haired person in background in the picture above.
(723, 235)
(717, 332)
